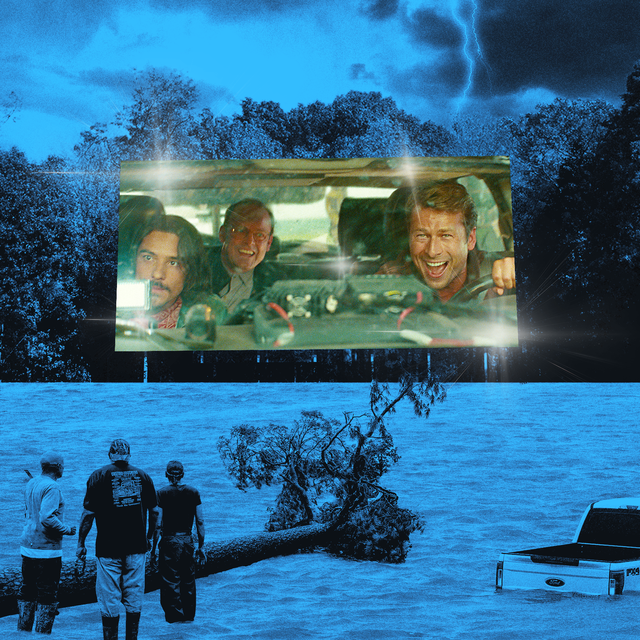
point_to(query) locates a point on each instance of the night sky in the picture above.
(67, 64)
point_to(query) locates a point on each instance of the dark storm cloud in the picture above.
(63, 22)
(19, 74)
(13, 69)
(212, 95)
(142, 40)
(445, 74)
(98, 77)
(123, 83)
(358, 71)
(72, 23)
(234, 9)
(430, 28)
(380, 9)
(574, 47)
(435, 85)
(520, 49)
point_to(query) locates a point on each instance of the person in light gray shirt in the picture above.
(41, 546)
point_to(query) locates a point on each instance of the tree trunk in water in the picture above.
(78, 579)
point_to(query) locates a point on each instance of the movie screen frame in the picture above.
(338, 272)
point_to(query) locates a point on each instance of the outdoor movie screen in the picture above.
(316, 254)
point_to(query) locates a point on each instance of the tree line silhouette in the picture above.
(575, 168)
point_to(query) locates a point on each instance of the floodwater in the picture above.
(496, 467)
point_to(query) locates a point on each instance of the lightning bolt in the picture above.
(476, 39)
(464, 28)
(464, 13)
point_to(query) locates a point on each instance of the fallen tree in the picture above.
(330, 471)
(78, 579)
(331, 497)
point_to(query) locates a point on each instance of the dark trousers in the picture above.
(178, 578)
(40, 579)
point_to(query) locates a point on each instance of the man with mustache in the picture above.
(169, 252)
(238, 272)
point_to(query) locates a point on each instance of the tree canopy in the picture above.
(575, 181)
(331, 471)
(162, 123)
(57, 246)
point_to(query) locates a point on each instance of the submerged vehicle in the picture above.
(337, 222)
(602, 559)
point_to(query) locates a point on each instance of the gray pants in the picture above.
(120, 580)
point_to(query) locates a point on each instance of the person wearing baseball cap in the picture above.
(41, 546)
(180, 505)
(119, 496)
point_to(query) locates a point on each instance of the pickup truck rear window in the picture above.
(617, 527)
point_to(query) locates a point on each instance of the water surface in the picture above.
(496, 467)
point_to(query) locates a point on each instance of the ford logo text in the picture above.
(555, 582)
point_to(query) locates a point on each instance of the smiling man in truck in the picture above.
(238, 271)
(441, 221)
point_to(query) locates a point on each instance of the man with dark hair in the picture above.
(441, 222)
(41, 546)
(238, 272)
(134, 212)
(179, 505)
(118, 498)
(169, 252)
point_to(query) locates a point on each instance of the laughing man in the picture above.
(441, 221)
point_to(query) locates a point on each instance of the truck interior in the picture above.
(325, 210)
(335, 220)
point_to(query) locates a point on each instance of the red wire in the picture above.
(283, 314)
(407, 311)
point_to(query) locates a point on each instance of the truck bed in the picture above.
(574, 567)
(572, 553)
(602, 559)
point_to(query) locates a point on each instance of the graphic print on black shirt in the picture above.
(127, 488)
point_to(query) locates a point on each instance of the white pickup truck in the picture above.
(603, 559)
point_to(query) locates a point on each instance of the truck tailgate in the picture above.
(588, 569)
(602, 559)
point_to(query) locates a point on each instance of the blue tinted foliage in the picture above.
(577, 203)
(575, 169)
(331, 472)
(163, 123)
(49, 230)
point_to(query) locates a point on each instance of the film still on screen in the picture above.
(314, 254)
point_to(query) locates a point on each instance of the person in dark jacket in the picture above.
(239, 272)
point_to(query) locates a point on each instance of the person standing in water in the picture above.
(179, 505)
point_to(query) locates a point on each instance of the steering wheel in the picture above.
(475, 288)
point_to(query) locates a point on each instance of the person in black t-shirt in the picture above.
(118, 498)
(180, 505)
